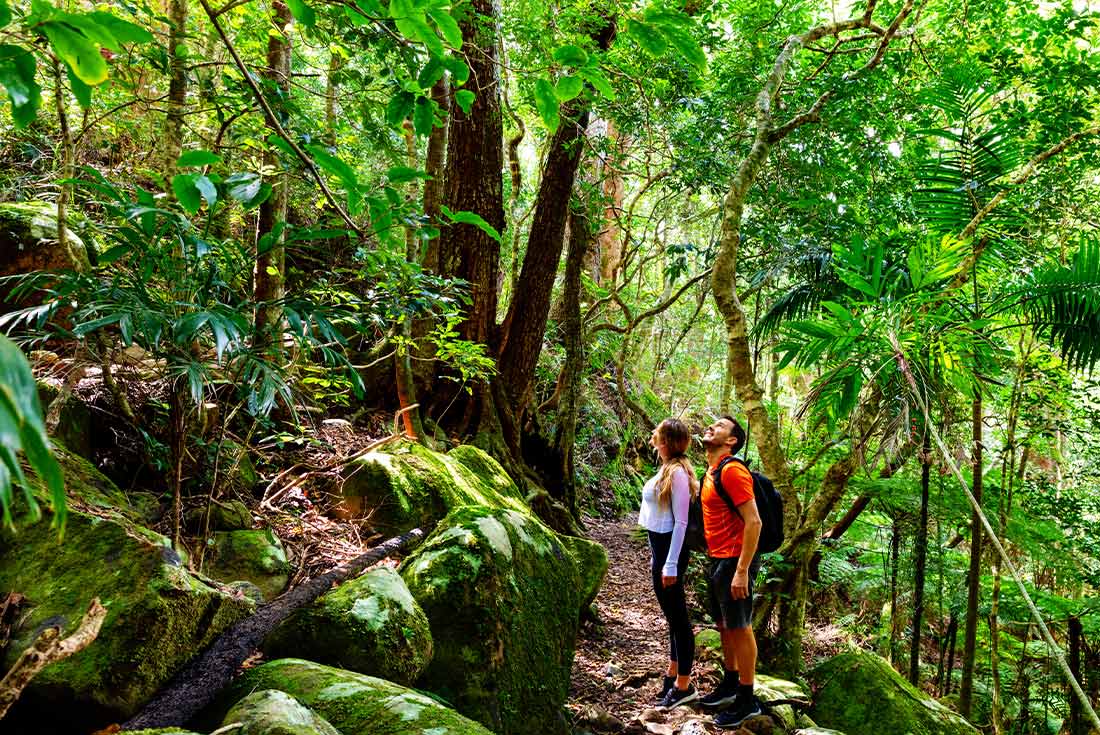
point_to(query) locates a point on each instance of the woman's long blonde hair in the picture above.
(676, 437)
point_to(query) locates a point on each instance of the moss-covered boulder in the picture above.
(502, 593)
(591, 561)
(770, 688)
(252, 556)
(271, 712)
(235, 471)
(158, 615)
(223, 515)
(162, 731)
(28, 242)
(371, 625)
(860, 693)
(355, 704)
(408, 486)
(74, 420)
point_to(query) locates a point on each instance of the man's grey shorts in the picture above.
(725, 610)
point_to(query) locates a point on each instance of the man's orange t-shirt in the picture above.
(722, 527)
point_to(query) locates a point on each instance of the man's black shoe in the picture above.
(742, 710)
(722, 695)
(676, 697)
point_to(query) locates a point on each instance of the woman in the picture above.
(665, 506)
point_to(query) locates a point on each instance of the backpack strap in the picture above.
(716, 475)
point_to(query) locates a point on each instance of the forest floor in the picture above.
(620, 660)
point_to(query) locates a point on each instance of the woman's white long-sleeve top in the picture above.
(671, 518)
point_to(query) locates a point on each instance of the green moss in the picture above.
(371, 625)
(158, 615)
(28, 236)
(591, 561)
(409, 485)
(252, 556)
(503, 594)
(355, 704)
(235, 470)
(161, 731)
(271, 712)
(860, 693)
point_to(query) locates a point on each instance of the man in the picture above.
(732, 538)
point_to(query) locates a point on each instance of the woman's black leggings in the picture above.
(673, 604)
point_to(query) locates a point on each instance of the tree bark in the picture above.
(1077, 723)
(919, 562)
(177, 85)
(472, 176)
(573, 342)
(270, 272)
(895, 565)
(952, 639)
(434, 164)
(609, 241)
(966, 687)
(402, 359)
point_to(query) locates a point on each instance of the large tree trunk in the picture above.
(434, 163)
(525, 324)
(609, 241)
(895, 566)
(270, 270)
(966, 687)
(921, 555)
(472, 176)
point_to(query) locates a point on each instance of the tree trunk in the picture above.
(966, 687)
(434, 163)
(525, 324)
(1077, 723)
(573, 342)
(609, 241)
(952, 639)
(919, 562)
(270, 253)
(472, 177)
(177, 85)
(895, 564)
(402, 359)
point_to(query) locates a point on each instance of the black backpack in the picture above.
(695, 539)
(769, 503)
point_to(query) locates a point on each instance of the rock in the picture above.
(817, 731)
(271, 712)
(409, 485)
(591, 565)
(158, 616)
(74, 421)
(769, 688)
(162, 731)
(28, 242)
(601, 719)
(253, 556)
(247, 590)
(355, 704)
(235, 472)
(371, 625)
(859, 693)
(225, 515)
(613, 670)
(502, 593)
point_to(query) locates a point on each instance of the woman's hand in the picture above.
(667, 581)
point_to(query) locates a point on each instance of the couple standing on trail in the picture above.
(731, 525)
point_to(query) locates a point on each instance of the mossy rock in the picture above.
(817, 731)
(591, 561)
(503, 595)
(271, 712)
(355, 704)
(252, 556)
(371, 625)
(74, 424)
(408, 486)
(158, 615)
(860, 693)
(28, 243)
(225, 515)
(89, 488)
(235, 471)
(770, 688)
(162, 731)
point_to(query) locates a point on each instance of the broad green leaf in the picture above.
(81, 91)
(123, 30)
(197, 159)
(648, 37)
(183, 186)
(413, 26)
(424, 116)
(302, 12)
(5, 13)
(403, 174)
(571, 55)
(464, 98)
(91, 30)
(687, 46)
(546, 102)
(460, 72)
(334, 166)
(400, 108)
(596, 78)
(207, 189)
(356, 17)
(669, 19)
(471, 218)
(448, 27)
(568, 87)
(248, 189)
(430, 74)
(17, 67)
(78, 52)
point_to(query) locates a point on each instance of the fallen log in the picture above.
(200, 682)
